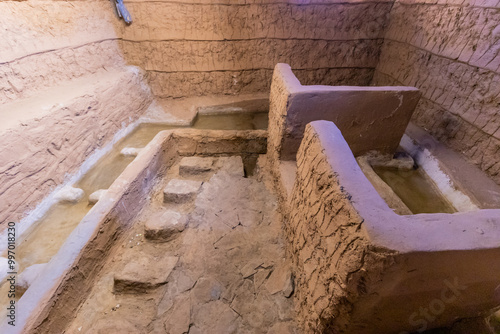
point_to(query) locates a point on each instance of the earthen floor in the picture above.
(225, 271)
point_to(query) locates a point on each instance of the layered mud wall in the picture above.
(359, 112)
(45, 42)
(65, 90)
(331, 253)
(449, 50)
(361, 268)
(230, 47)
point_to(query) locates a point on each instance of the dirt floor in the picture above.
(206, 261)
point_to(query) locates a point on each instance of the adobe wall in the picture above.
(230, 47)
(361, 268)
(359, 112)
(449, 50)
(65, 91)
(45, 42)
(330, 251)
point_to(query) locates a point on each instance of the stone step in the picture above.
(195, 166)
(165, 226)
(144, 273)
(232, 165)
(181, 191)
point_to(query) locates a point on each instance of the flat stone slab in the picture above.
(206, 290)
(232, 165)
(96, 196)
(195, 165)
(179, 317)
(281, 280)
(144, 273)
(215, 317)
(181, 191)
(165, 226)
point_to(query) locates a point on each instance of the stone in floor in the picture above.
(231, 276)
(181, 191)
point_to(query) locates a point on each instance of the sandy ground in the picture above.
(224, 273)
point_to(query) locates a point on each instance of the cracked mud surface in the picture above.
(230, 275)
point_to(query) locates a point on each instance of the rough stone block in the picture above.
(195, 165)
(181, 191)
(165, 227)
(144, 273)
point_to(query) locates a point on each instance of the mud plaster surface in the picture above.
(35, 160)
(201, 48)
(451, 54)
(347, 281)
(227, 255)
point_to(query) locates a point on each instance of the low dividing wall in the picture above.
(361, 113)
(361, 268)
(65, 91)
(50, 303)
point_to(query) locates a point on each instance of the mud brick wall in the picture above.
(230, 47)
(450, 50)
(359, 112)
(361, 268)
(334, 262)
(36, 157)
(45, 42)
(65, 90)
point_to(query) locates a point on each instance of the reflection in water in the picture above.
(46, 236)
(416, 190)
(240, 121)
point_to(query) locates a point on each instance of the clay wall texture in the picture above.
(65, 91)
(361, 268)
(359, 112)
(231, 47)
(330, 251)
(45, 42)
(450, 51)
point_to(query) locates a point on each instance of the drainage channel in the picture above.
(46, 236)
